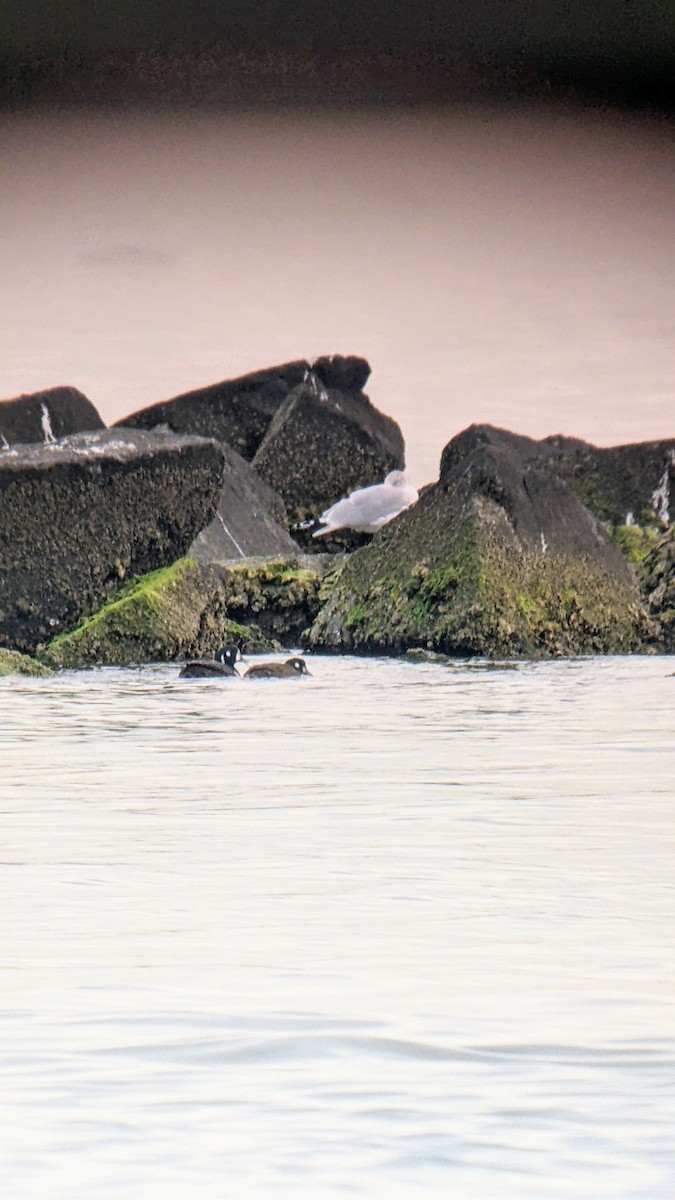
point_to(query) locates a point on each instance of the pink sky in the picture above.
(509, 267)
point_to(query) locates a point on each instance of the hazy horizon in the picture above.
(510, 265)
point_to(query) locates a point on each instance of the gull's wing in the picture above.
(340, 511)
(377, 501)
(368, 508)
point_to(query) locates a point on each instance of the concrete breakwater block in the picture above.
(499, 558)
(46, 416)
(78, 516)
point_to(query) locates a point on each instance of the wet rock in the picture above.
(620, 484)
(419, 655)
(189, 610)
(308, 430)
(324, 443)
(237, 412)
(80, 515)
(349, 374)
(47, 416)
(635, 541)
(168, 615)
(657, 579)
(511, 470)
(250, 521)
(277, 600)
(13, 663)
(498, 559)
(484, 437)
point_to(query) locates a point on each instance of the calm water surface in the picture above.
(395, 930)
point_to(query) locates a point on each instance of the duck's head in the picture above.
(299, 665)
(228, 654)
(395, 479)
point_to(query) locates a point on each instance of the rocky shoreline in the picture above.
(189, 524)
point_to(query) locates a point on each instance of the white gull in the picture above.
(369, 508)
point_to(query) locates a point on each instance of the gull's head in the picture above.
(395, 479)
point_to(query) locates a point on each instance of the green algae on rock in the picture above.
(159, 617)
(14, 663)
(498, 559)
(636, 541)
(657, 577)
(79, 515)
(188, 610)
(278, 600)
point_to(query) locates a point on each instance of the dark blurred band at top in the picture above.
(318, 52)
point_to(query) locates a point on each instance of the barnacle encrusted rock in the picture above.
(657, 578)
(77, 516)
(13, 663)
(190, 609)
(499, 558)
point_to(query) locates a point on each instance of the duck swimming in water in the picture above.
(221, 666)
(291, 669)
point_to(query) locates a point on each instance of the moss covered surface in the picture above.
(466, 586)
(13, 663)
(657, 579)
(278, 599)
(636, 541)
(190, 610)
(76, 523)
(155, 618)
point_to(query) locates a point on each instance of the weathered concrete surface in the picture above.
(499, 558)
(13, 663)
(81, 515)
(46, 416)
(250, 521)
(657, 579)
(189, 610)
(324, 443)
(237, 412)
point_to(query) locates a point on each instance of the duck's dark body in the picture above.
(221, 666)
(293, 668)
(204, 668)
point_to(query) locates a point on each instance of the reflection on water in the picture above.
(393, 930)
(503, 265)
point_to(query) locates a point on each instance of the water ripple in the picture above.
(405, 929)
